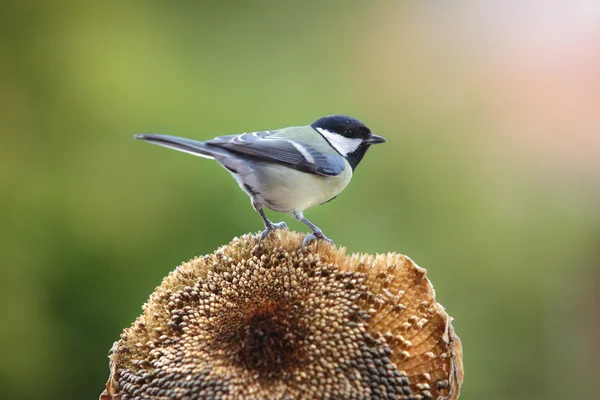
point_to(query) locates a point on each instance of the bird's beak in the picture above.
(374, 139)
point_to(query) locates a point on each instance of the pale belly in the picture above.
(286, 190)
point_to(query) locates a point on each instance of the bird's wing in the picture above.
(276, 147)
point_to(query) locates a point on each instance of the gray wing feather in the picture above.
(265, 146)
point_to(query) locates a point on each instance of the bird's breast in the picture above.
(285, 189)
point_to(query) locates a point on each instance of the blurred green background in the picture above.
(490, 177)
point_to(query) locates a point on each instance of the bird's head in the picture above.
(348, 136)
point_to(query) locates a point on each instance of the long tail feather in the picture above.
(193, 147)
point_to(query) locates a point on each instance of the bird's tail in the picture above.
(193, 147)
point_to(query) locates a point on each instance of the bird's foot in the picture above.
(269, 229)
(314, 236)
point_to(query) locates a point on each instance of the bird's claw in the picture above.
(314, 236)
(269, 229)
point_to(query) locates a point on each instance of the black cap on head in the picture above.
(348, 128)
(343, 125)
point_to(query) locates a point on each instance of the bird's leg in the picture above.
(269, 226)
(316, 232)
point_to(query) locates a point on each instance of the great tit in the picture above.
(287, 170)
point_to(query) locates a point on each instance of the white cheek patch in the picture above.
(342, 144)
(303, 151)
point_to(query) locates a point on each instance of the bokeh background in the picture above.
(490, 178)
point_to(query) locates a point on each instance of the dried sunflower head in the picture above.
(271, 322)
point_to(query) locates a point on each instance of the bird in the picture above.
(286, 170)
